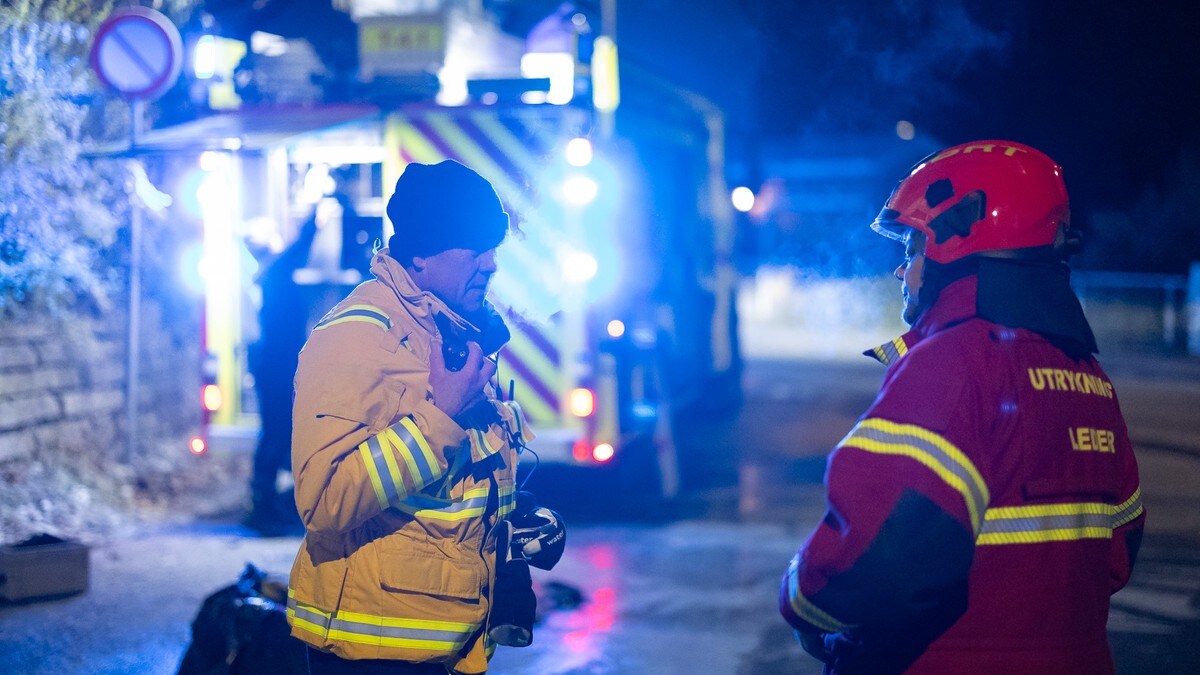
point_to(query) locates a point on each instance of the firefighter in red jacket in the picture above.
(985, 508)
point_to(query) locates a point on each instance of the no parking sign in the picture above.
(137, 52)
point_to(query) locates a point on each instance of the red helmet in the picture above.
(976, 197)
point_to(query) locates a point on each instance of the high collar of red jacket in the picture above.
(955, 304)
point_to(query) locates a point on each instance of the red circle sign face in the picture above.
(137, 52)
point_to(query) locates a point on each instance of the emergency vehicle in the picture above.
(616, 285)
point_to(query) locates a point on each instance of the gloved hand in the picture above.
(514, 604)
(814, 644)
(539, 535)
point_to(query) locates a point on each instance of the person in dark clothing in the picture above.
(283, 321)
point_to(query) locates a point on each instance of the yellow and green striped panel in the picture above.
(508, 149)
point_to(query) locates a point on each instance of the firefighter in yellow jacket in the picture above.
(405, 460)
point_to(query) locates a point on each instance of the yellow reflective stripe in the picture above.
(403, 643)
(426, 634)
(1037, 523)
(507, 501)
(518, 415)
(345, 319)
(376, 482)
(938, 454)
(427, 624)
(486, 447)
(880, 355)
(1128, 510)
(452, 517)
(1036, 510)
(362, 313)
(405, 453)
(1041, 536)
(453, 511)
(391, 444)
(901, 347)
(804, 608)
(930, 463)
(305, 625)
(434, 467)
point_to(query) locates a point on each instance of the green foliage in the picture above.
(59, 212)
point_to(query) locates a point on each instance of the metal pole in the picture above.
(137, 108)
(1193, 309)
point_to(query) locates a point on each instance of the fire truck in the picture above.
(616, 283)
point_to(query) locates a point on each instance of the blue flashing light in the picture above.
(743, 199)
(644, 411)
(190, 268)
(189, 193)
(204, 58)
(580, 190)
(579, 152)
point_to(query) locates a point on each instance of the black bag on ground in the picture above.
(242, 628)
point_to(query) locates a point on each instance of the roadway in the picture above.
(689, 588)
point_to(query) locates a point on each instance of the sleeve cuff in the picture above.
(440, 430)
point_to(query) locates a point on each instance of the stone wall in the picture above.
(63, 386)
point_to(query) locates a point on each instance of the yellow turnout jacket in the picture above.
(398, 499)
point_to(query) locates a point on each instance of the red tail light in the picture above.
(581, 450)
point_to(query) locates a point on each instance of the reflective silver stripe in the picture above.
(385, 474)
(414, 450)
(1129, 510)
(426, 634)
(1037, 523)
(949, 463)
(381, 318)
(307, 614)
(357, 311)
(360, 628)
(507, 497)
(1072, 521)
(890, 353)
(415, 503)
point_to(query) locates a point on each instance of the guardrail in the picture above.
(1180, 298)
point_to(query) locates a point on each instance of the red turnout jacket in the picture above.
(980, 514)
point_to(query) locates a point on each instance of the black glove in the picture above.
(514, 604)
(814, 644)
(539, 535)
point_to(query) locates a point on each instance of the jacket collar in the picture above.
(422, 305)
(955, 304)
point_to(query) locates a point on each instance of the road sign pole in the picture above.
(137, 111)
(138, 52)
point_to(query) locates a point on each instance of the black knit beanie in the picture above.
(438, 207)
